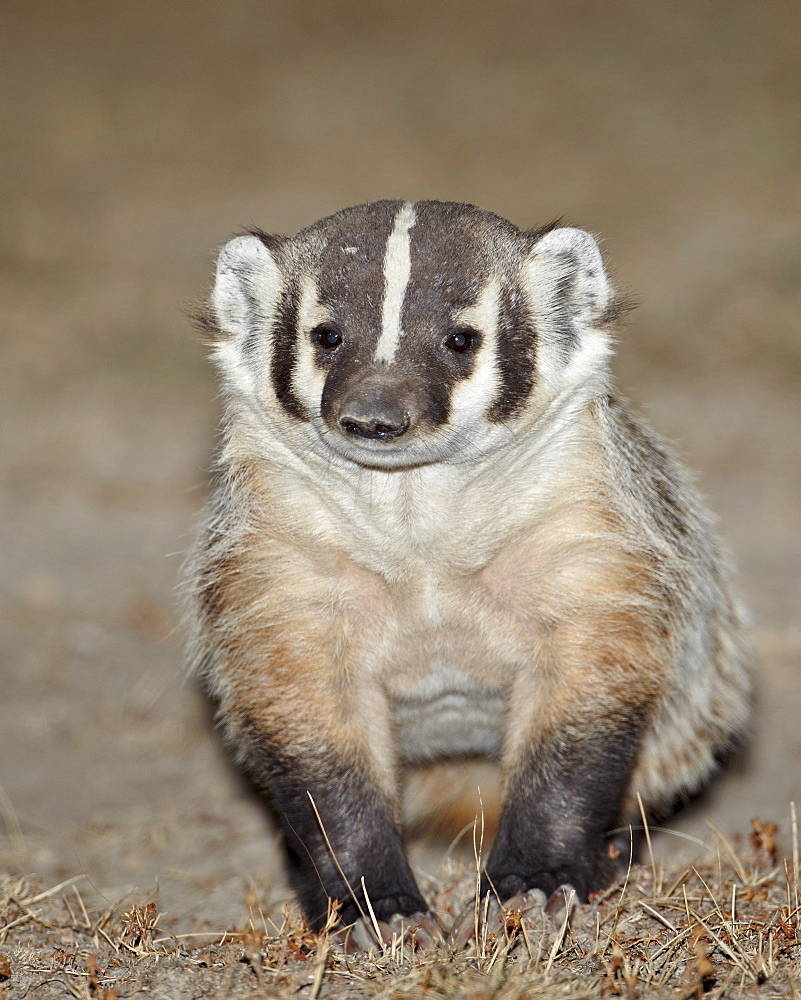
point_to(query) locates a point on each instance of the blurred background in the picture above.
(137, 137)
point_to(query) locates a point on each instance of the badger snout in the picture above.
(379, 407)
(385, 413)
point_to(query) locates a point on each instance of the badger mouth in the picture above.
(380, 450)
(389, 447)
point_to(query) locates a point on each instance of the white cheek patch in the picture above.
(307, 379)
(237, 373)
(397, 270)
(473, 396)
(587, 363)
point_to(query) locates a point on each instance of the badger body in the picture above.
(438, 533)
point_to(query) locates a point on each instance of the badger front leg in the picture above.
(563, 797)
(573, 733)
(574, 730)
(341, 836)
(324, 759)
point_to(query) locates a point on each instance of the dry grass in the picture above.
(725, 926)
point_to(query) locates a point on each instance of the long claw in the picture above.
(559, 901)
(464, 926)
(360, 937)
(420, 930)
(495, 918)
(525, 902)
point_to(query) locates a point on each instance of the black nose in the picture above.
(378, 407)
(381, 426)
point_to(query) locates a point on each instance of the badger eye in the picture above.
(327, 336)
(460, 340)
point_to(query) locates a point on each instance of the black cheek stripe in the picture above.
(438, 405)
(284, 355)
(517, 357)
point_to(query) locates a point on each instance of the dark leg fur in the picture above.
(364, 839)
(560, 806)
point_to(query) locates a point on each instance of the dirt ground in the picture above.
(138, 136)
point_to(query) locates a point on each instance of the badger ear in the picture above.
(570, 298)
(566, 282)
(244, 302)
(247, 287)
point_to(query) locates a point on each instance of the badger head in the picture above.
(396, 334)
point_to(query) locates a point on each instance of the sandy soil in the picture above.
(137, 137)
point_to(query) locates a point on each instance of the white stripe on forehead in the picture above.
(397, 269)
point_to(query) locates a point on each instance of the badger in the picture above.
(438, 533)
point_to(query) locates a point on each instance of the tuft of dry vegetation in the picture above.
(726, 925)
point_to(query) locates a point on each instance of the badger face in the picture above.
(396, 334)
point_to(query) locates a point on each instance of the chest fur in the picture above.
(439, 581)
